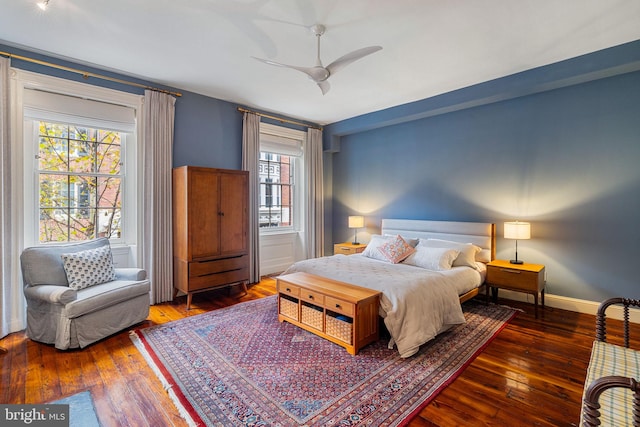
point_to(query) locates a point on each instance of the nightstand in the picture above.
(348, 248)
(528, 278)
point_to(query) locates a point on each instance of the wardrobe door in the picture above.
(204, 211)
(234, 194)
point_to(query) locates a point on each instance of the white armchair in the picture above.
(70, 318)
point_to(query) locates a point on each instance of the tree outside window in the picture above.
(80, 182)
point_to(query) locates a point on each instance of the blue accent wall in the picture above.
(557, 146)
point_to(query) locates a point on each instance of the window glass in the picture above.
(276, 180)
(80, 182)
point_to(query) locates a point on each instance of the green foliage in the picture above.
(79, 182)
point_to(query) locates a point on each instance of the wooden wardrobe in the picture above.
(210, 224)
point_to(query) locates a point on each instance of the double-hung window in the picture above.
(80, 162)
(279, 171)
(80, 182)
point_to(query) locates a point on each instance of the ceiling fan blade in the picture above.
(347, 59)
(324, 86)
(309, 71)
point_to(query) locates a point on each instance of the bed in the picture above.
(420, 299)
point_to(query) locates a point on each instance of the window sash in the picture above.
(276, 193)
(95, 219)
(280, 140)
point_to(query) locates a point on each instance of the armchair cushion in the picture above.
(107, 294)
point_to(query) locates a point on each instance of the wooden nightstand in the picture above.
(348, 248)
(527, 278)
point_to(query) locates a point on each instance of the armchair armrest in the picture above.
(51, 294)
(130, 274)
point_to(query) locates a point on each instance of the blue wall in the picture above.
(558, 146)
(564, 156)
(208, 132)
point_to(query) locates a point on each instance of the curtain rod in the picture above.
(280, 119)
(87, 74)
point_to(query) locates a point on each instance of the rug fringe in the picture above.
(511, 308)
(165, 384)
(507, 306)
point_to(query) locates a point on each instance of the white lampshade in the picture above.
(517, 230)
(356, 221)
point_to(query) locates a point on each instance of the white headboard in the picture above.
(481, 234)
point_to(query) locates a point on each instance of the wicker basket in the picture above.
(311, 315)
(340, 329)
(288, 307)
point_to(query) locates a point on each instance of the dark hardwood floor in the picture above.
(531, 374)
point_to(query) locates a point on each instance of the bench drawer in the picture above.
(288, 289)
(339, 306)
(312, 297)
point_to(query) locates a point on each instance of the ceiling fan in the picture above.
(319, 73)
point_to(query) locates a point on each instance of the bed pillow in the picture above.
(412, 241)
(437, 259)
(88, 268)
(466, 257)
(484, 255)
(372, 251)
(396, 250)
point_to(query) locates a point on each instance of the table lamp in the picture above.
(519, 231)
(356, 221)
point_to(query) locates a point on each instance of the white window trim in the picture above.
(298, 170)
(23, 159)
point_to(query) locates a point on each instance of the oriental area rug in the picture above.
(240, 366)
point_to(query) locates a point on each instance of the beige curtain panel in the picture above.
(157, 152)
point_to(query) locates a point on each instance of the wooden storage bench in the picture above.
(340, 312)
(612, 395)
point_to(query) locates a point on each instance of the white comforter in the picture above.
(416, 304)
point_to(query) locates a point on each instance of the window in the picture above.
(279, 171)
(80, 166)
(276, 190)
(80, 182)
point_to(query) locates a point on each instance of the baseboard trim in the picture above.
(573, 304)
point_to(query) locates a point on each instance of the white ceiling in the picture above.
(429, 46)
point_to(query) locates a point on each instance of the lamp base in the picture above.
(516, 261)
(355, 243)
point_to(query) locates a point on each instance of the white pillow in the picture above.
(467, 255)
(373, 247)
(484, 255)
(89, 268)
(437, 259)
